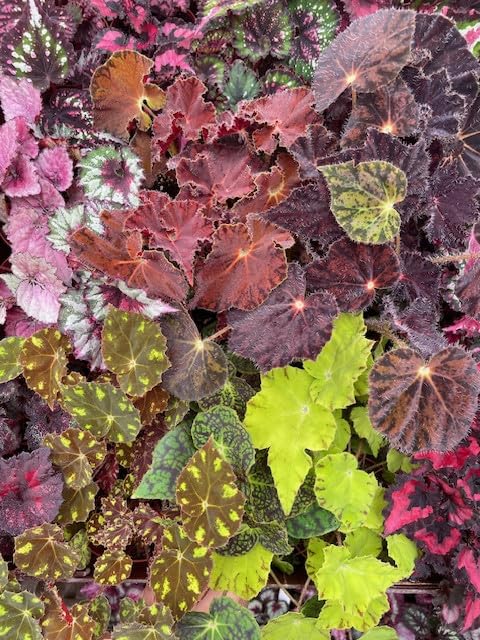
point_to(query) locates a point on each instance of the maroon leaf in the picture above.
(420, 278)
(309, 149)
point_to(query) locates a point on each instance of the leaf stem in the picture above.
(459, 257)
(217, 334)
(303, 594)
(279, 584)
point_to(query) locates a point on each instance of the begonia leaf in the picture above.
(467, 290)
(271, 535)
(344, 490)
(381, 633)
(77, 453)
(211, 504)
(180, 573)
(404, 552)
(3, 574)
(262, 30)
(170, 455)
(340, 363)
(10, 349)
(44, 361)
(356, 58)
(118, 93)
(315, 521)
(235, 393)
(230, 437)
(141, 453)
(244, 575)
(363, 427)
(148, 524)
(353, 272)
(291, 626)
(62, 623)
(136, 631)
(102, 410)
(469, 136)
(226, 620)
(411, 400)
(288, 326)
(112, 527)
(308, 150)
(283, 417)
(152, 403)
(242, 84)
(363, 198)
(19, 615)
(231, 275)
(198, 367)
(77, 504)
(42, 553)
(134, 349)
(263, 504)
(30, 491)
(19, 98)
(363, 542)
(55, 165)
(112, 568)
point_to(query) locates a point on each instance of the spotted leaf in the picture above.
(19, 616)
(211, 504)
(63, 623)
(101, 410)
(44, 362)
(112, 568)
(77, 504)
(235, 393)
(227, 620)
(42, 553)
(3, 574)
(134, 349)
(10, 367)
(112, 527)
(363, 198)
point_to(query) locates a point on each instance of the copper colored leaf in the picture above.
(112, 568)
(369, 54)
(41, 552)
(199, 367)
(119, 93)
(62, 623)
(180, 573)
(153, 402)
(288, 326)
(77, 504)
(423, 405)
(134, 349)
(353, 272)
(247, 261)
(44, 361)
(143, 447)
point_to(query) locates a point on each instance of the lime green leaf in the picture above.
(211, 504)
(19, 614)
(363, 542)
(170, 455)
(112, 567)
(350, 586)
(344, 490)
(316, 521)
(340, 363)
(342, 435)
(77, 453)
(77, 504)
(10, 366)
(293, 626)
(180, 573)
(134, 349)
(283, 417)
(397, 461)
(315, 556)
(79, 542)
(375, 518)
(363, 198)
(404, 553)
(363, 426)
(381, 633)
(244, 575)
(227, 620)
(3, 574)
(103, 409)
(41, 552)
(230, 437)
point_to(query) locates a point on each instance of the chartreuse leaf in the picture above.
(404, 553)
(44, 361)
(363, 198)
(180, 573)
(103, 410)
(397, 461)
(3, 574)
(227, 620)
(283, 417)
(170, 455)
(230, 437)
(375, 519)
(136, 631)
(77, 453)
(354, 589)
(363, 542)
(315, 556)
(344, 490)
(19, 614)
(134, 349)
(244, 575)
(293, 626)
(112, 567)
(340, 363)
(42, 553)
(10, 366)
(380, 633)
(342, 435)
(363, 427)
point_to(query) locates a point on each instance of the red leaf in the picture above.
(467, 560)
(402, 513)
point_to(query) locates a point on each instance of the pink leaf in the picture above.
(8, 147)
(56, 166)
(20, 98)
(21, 178)
(19, 324)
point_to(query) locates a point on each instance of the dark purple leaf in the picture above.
(309, 149)
(420, 278)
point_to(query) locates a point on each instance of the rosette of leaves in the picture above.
(263, 30)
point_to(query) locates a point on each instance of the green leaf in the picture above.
(244, 575)
(316, 521)
(100, 611)
(79, 542)
(42, 553)
(363, 542)
(211, 504)
(375, 518)
(404, 553)
(227, 620)
(103, 409)
(230, 437)
(3, 574)
(381, 633)
(293, 626)
(397, 461)
(344, 490)
(180, 573)
(134, 349)
(10, 367)
(363, 426)
(283, 417)
(19, 614)
(235, 394)
(363, 198)
(170, 455)
(112, 568)
(242, 84)
(137, 631)
(263, 504)
(272, 535)
(315, 556)
(340, 363)
(342, 435)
